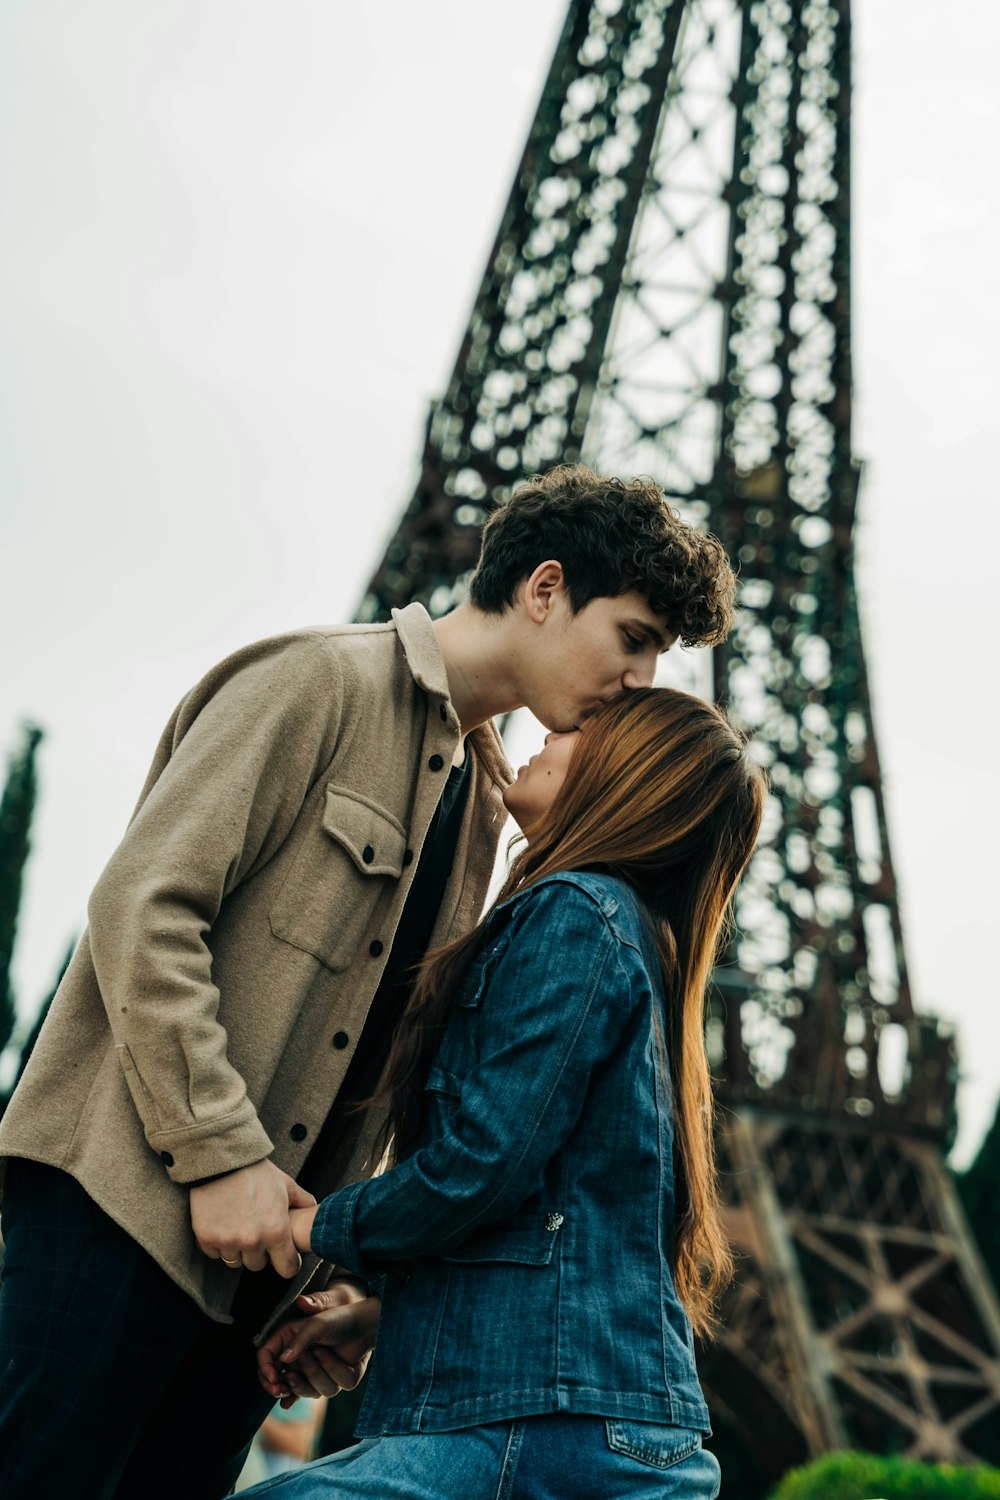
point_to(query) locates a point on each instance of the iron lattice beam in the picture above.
(669, 294)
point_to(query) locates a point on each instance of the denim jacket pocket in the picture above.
(442, 1095)
(652, 1442)
(476, 979)
(440, 1081)
(524, 1240)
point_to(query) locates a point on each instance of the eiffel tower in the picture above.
(669, 294)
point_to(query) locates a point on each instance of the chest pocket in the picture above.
(442, 1096)
(347, 860)
(477, 977)
(459, 1051)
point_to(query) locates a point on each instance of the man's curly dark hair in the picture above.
(612, 536)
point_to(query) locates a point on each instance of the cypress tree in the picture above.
(16, 808)
(39, 1020)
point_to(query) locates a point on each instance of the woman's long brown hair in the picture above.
(662, 793)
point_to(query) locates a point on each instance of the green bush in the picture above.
(862, 1476)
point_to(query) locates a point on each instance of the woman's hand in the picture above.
(324, 1353)
(301, 1221)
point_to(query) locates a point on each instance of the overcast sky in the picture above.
(239, 244)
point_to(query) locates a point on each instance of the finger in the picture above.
(283, 1255)
(212, 1251)
(299, 1197)
(345, 1289)
(275, 1385)
(341, 1371)
(299, 1385)
(268, 1353)
(269, 1367)
(254, 1259)
(332, 1327)
(316, 1302)
(309, 1368)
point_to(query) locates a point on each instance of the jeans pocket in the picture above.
(652, 1443)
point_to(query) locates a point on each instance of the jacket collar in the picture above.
(423, 656)
(420, 645)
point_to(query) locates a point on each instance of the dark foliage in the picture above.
(16, 808)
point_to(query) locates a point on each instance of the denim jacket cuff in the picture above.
(333, 1229)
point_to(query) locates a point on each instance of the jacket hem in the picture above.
(535, 1402)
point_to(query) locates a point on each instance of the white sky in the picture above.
(240, 242)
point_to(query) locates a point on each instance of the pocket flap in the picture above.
(372, 837)
(525, 1240)
(440, 1081)
(475, 980)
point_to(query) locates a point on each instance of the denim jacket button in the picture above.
(552, 1222)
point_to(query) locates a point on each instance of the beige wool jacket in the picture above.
(239, 932)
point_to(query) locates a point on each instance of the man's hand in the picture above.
(244, 1218)
(324, 1353)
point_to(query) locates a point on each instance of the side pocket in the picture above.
(652, 1443)
(524, 1240)
(145, 1108)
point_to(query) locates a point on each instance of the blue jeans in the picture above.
(537, 1458)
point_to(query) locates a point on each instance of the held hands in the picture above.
(245, 1218)
(324, 1353)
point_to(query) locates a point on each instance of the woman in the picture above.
(550, 1237)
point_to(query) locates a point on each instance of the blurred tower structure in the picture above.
(669, 294)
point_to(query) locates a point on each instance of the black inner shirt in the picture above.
(416, 922)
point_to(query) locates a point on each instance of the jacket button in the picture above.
(408, 857)
(298, 1132)
(340, 1039)
(443, 710)
(376, 948)
(166, 1158)
(552, 1222)
(436, 762)
(368, 854)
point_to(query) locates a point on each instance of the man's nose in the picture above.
(640, 676)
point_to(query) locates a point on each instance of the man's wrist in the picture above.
(218, 1176)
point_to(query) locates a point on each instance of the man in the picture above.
(321, 807)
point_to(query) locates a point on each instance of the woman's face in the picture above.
(529, 797)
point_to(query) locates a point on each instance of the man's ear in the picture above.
(541, 588)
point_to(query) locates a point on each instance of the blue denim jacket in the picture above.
(528, 1237)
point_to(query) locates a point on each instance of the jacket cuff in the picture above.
(332, 1234)
(213, 1147)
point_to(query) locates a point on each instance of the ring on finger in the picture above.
(234, 1265)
